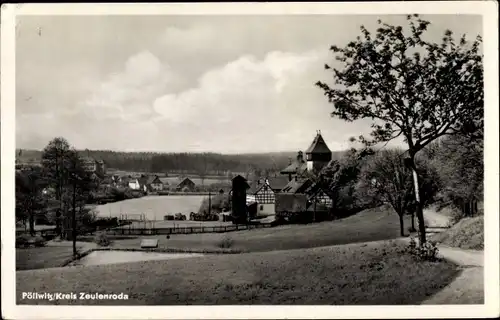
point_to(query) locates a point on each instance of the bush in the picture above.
(39, 241)
(226, 242)
(102, 240)
(22, 240)
(427, 252)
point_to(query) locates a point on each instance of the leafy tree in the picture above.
(408, 87)
(55, 162)
(29, 196)
(80, 186)
(339, 178)
(385, 178)
(458, 161)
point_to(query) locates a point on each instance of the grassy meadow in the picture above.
(357, 274)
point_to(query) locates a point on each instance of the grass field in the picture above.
(368, 225)
(360, 274)
(44, 257)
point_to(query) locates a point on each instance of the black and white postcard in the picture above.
(250, 160)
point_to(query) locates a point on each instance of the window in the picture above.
(261, 207)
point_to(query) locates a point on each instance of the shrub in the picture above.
(102, 240)
(427, 252)
(39, 241)
(22, 240)
(226, 242)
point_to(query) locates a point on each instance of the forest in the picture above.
(200, 164)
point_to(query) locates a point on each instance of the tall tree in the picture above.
(29, 196)
(408, 87)
(385, 178)
(80, 185)
(55, 161)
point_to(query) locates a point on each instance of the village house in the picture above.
(186, 185)
(94, 166)
(165, 182)
(152, 183)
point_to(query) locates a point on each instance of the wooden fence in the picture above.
(187, 230)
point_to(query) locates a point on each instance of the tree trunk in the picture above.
(419, 204)
(31, 219)
(401, 226)
(413, 220)
(73, 220)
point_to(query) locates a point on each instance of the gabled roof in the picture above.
(186, 180)
(295, 167)
(318, 145)
(297, 186)
(277, 183)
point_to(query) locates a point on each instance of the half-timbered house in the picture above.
(262, 193)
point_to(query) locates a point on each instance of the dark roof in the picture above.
(297, 186)
(186, 180)
(318, 145)
(240, 180)
(289, 202)
(295, 167)
(277, 183)
(152, 179)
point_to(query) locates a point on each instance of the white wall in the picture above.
(268, 209)
(134, 185)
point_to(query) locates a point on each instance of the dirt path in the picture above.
(468, 287)
(434, 219)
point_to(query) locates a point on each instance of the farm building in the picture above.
(186, 185)
(288, 204)
(153, 183)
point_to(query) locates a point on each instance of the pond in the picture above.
(154, 207)
(116, 256)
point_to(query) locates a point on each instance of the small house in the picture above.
(153, 183)
(262, 193)
(186, 185)
(289, 204)
(135, 184)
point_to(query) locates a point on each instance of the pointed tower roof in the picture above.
(318, 145)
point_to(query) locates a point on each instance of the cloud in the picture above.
(250, 103)
(129, 93)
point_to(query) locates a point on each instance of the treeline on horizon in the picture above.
(194, 163)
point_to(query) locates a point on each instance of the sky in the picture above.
(226, 84)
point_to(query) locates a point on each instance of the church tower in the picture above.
(318, 154)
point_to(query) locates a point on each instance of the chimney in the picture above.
(258, 182)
